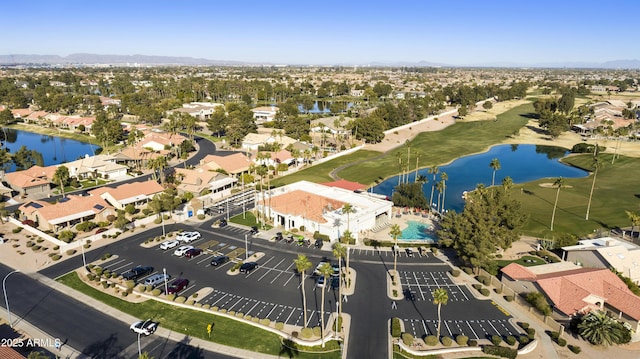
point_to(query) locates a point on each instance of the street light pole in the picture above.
(84, 259)
(6, 300)
(246, 247)
(162, 221)
(140, 332)
(166, 290)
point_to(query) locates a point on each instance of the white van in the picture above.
(156, 279)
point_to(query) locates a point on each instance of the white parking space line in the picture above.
(473, 331)
(448, 329)
(269, 269)
(494, 328)
(420, 289)
(290, 314)
(271, 311)
(284, 271)
(288, 280)
(463, 293)
(238, 301)
(214, 303)
(206, 259)
(117, 269)
(114, 263)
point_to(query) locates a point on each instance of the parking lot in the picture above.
(474, 329)
(421, 284)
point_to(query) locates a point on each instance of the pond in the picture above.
(54, 149)
(523, 163)
(326, 107)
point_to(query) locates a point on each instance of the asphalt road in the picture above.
(95, 334)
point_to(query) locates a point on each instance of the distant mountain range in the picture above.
(146, 60)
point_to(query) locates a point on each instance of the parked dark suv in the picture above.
(137, 272)
(248, 267)
(254, 230)
(223, 223)
(219, 260)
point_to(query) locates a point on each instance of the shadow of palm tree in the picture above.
(105, 349)
(183, 350)
(288, 349)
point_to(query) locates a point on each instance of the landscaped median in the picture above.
(192, 318)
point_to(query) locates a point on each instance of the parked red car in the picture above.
(177, 286)
(193, 252)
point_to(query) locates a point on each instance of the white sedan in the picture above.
(182, 250)
(188, 237)
(169, 244)
(144, 327)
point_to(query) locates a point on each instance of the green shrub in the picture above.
(206, 306)
(396, 330)
(97, 270)
(39, 240)
(306, 333)
(191, 302)
(197, 305)
(500, 351)
(317, 331)
(56, 257)
(523, 339)
(87, 226)
(473, 343)
(106, 256)
(232, 312)
(30, 244)
(66, 236)
(130, 284)
(91, 276)
(467, 270)
(498, 290)
(483, 279)
(508, 298)
(125, 293)
(510, 339)
(201, 216)
(16, 230)
(265, 321)
(477, 286)
(222, 310)
(524, 325)
(575, 349)
(537, 300)
(531, 331)
(455, 273)
(180, 299)
(462, 339)
(431, 340)
(496, 339)
(279, 325)
(446, 341)
(407, 338)
(485, 292)
(562, 342)
(215, 308)
(105, 284)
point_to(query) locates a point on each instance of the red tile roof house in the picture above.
(66, 213)
(577, 291)
(233, 164)
(33, 181)
(138, 193)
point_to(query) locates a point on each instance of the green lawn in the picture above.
(248, 220)
(616, 190)
(534, 261)
(194, 323)
(320, 173)
(441, 147)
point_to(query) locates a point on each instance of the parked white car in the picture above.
(144, 327)
(182, 250)
(169, 244)
(188, 237)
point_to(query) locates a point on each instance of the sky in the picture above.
(328, 32)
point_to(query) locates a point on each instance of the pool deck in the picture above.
(402, 221)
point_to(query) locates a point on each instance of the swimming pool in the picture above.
(418, 231)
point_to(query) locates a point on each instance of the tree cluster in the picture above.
(491, 220)
(409, 195)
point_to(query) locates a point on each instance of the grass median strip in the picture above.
(194, 323)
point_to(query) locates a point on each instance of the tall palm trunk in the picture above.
(555, 205)
(304, 298)
(593, 184)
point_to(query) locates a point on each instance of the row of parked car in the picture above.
(156, 279)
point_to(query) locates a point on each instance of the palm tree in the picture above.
(444, 178)
(408, 144)
(303, 264)
(395, 233)
(347, 209)
(597, 163)
(417, 154)
(339, 251)
(439, 188)
(635, 220)
(600, 329)
(507, 183)
(559, 183)
(495, 165)
(325, 271)
(440, 297)
(399, 157)
(433, 170)
(61, 176)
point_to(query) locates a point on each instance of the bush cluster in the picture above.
(396, 330)
(455, 273)
(407, 338)
(575, 349)
(306, 333)
(537, 300)
(446, 341)
(496, 340)
(500, 351)
(462, 339)
(431, 340)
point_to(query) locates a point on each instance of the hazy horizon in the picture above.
(456, 33)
